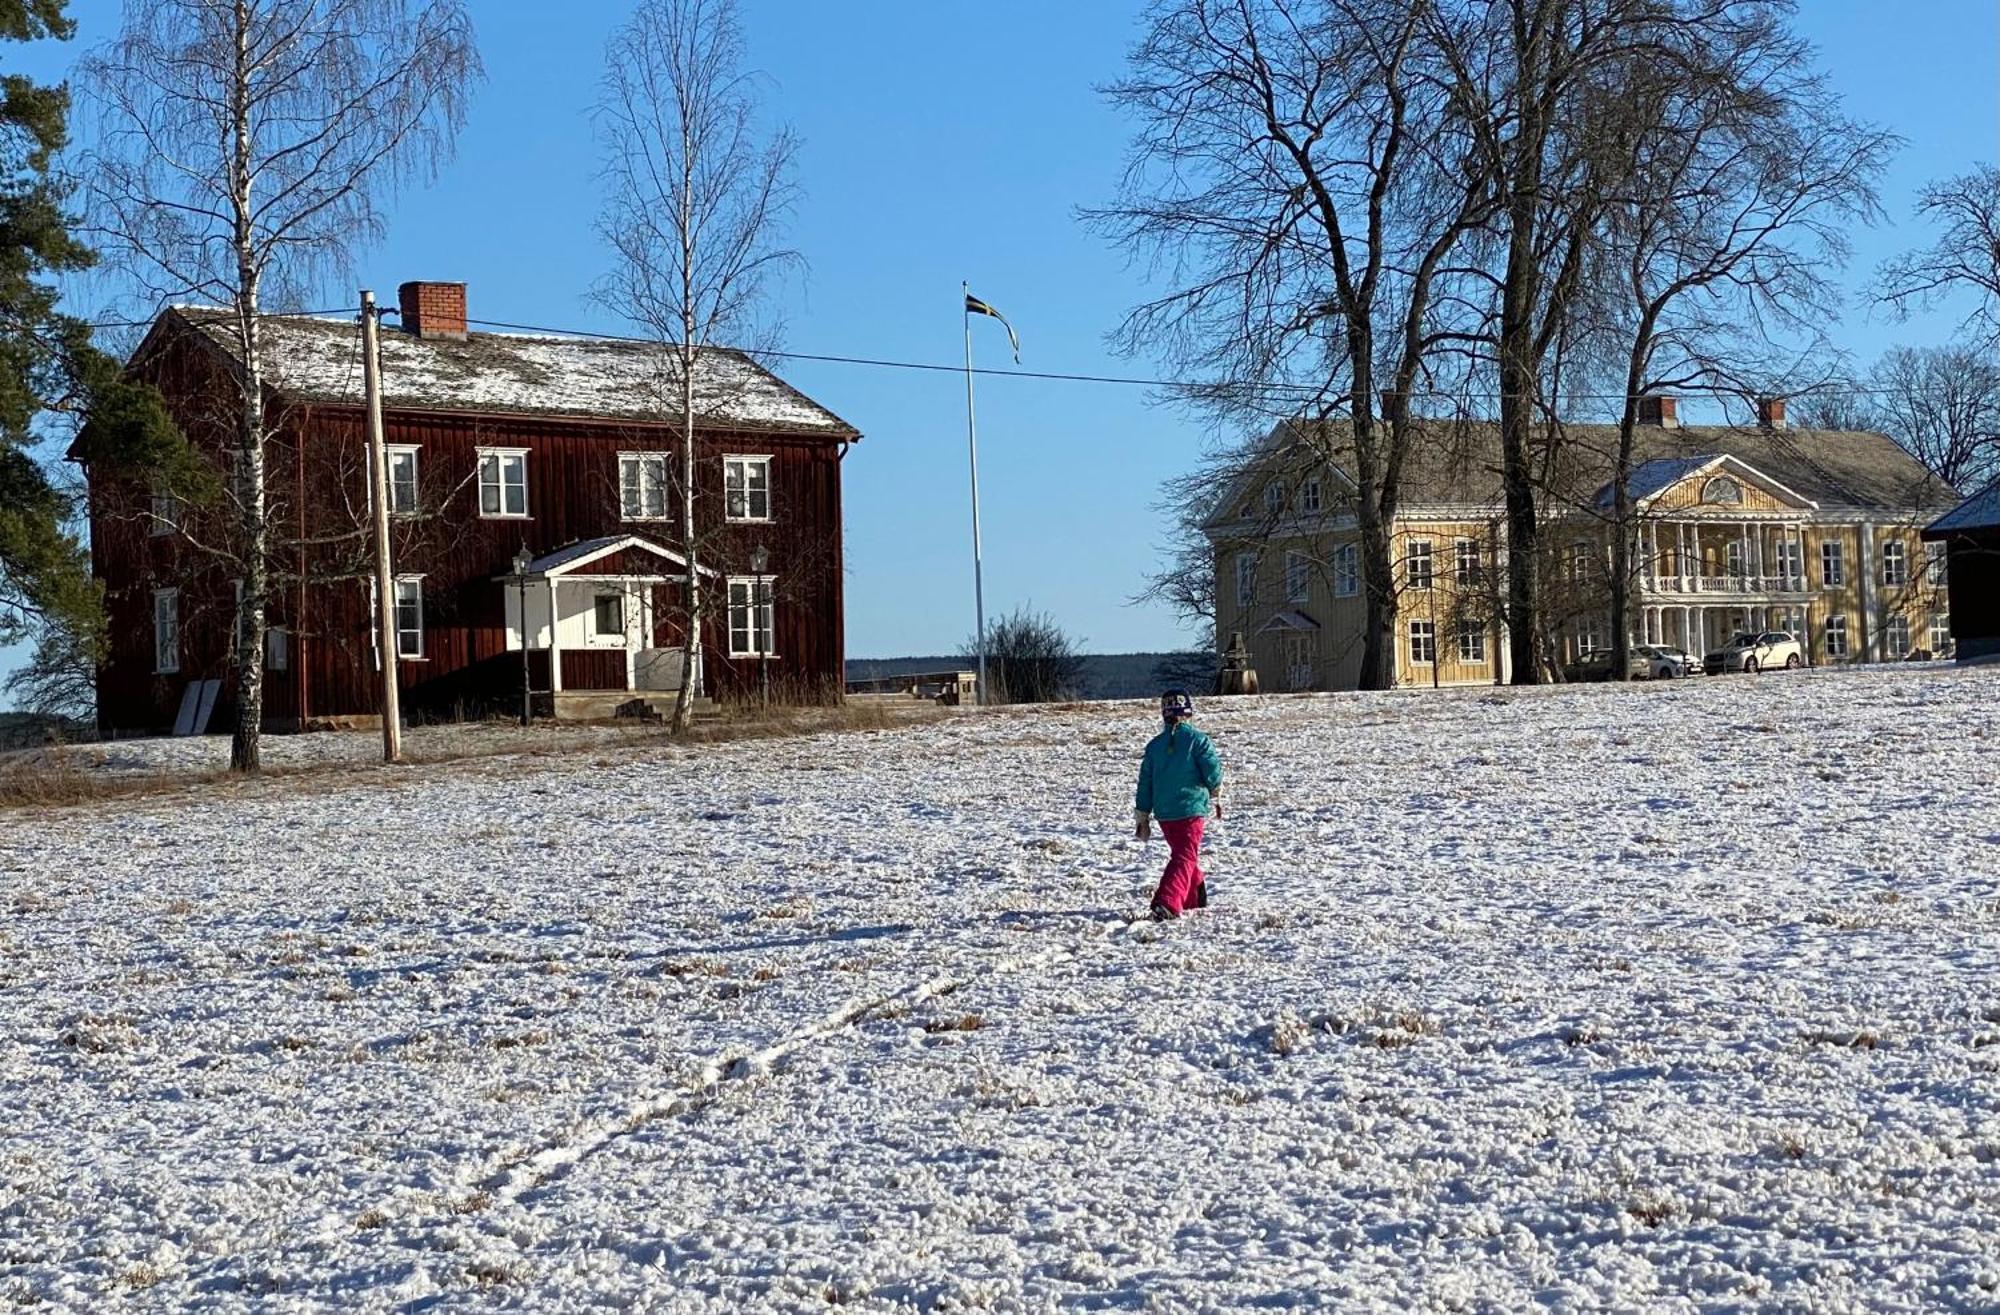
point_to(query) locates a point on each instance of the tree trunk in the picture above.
(245, 748)
(691, 594)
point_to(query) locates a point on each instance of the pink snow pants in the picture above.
(1183, 875)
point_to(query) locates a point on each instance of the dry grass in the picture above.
(961, 1023)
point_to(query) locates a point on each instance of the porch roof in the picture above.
(1291, 621)
(574, 557)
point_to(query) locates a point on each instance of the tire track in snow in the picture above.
(505, 1178)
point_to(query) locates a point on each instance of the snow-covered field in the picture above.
(1668, 998)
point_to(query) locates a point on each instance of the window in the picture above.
(1836, 637)
(1274, 498)
(1896, 636)
(1246, 579)
(1423, 643)
(750, 617)
(1941, 635)
(642, 485)
(1734, 552)
(1588, 640)
(402, 480)
(1832, 572)
(1791, 563)
(1579, 561)
(746, 484)
(410, 616)
(1895, 563)
(1309, 498)
(166, 516)
(1722, 491)
(1468, 562)
(503, 482)
(166, 631)
(1298, 577)
(1346, 570)
(1418, 560)
(277, 650)
(1471, 642)
(607, 616)
(1934, 567)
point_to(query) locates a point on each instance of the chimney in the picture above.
(1770, 413)
(1660, 410)
(433, 310)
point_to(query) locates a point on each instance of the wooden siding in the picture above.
(318, 498)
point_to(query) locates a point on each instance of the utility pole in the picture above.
(378, 487)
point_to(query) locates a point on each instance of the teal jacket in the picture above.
(1179, 775)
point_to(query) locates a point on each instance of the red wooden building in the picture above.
(503, 448)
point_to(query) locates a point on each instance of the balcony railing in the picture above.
(1737, 585)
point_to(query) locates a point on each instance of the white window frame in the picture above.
(1274, 498)
(1832, 566)
(642, 461)
(1735, 559)
(1346, 570)
(415, 583)
(1895, 564)
(166, 517)
(167, 637)
(500, 456)
(1419, 567)
(754, 615)
(1940, 634)
(1298, 577)
(1580, 553)
(608, 638)
(1467, 563)
(1587, 638)
(1896, 637)
(1423, 640)
(746, 462)
(1834, 630)
(1935, 556)
(398, 505)
(1471, 643)
(1309, 498)
(1791, 560)
(1246, 579)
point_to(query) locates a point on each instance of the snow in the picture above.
(1669, 998)
(320, 359)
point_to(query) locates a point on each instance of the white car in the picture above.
(1662, 663)
(1756, 652)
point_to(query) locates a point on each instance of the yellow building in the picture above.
(1766, 528)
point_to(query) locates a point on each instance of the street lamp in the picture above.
(760, 561)
(521, 563)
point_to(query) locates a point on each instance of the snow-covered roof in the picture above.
(1981, 511)
(319, 360)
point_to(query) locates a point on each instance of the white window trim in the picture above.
(1935, 557)
(1428, 557)
(166, 513)
(760, 458)
(1246, 579)
(1836, 625)
(163, 668)
(1940, 633)
(1346, 570)
(479, 471)
(1832, 565)
(1310, 499)
(1298, 577)
(1470, 636)
(595, 638)
(1897, 625)
(1416, 661)
(423, 629)
(666, 507)
(1894, 551)
(1463, 572)
(770, 618)
(390, 451)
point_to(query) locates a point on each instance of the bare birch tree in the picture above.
(242, 150)
(695, 201)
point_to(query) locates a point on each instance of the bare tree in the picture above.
(242, 149)
(1296, 171)
(695, 202)
(1031, 659)
(1965, 258)
(1734, 179)
(1943, 404)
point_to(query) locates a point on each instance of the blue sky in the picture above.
(951, 141)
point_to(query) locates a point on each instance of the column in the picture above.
(555, 641)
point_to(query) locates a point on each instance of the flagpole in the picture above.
(972, 452)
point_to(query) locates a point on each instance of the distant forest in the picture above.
(1104, 675)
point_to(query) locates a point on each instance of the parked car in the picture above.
(1595, 664)
(1663, 663)
(1755, 652)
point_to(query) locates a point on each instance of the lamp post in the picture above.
(760, 561)
(521, 563)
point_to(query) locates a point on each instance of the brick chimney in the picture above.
(1770, 413)
(433, 310)
(1660, 410)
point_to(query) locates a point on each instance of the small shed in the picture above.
(1970, 533)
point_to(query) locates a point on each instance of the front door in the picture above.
(1301, 662)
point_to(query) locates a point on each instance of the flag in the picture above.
(974, 306)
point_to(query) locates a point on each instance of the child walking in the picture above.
(1180, 778)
